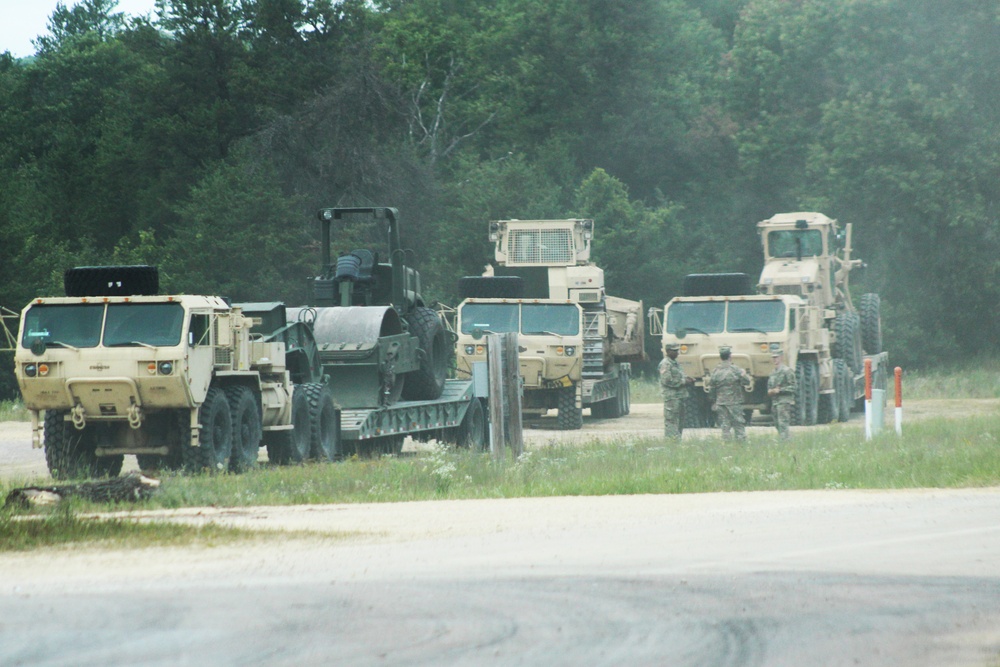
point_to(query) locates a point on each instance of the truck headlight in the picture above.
(569, 350)
(166, 367)
(30, 370)
(470, 350)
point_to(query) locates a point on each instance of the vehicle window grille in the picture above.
(541, 246)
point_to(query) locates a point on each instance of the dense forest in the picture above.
(203, 139)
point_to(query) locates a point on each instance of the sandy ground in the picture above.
(787, 578)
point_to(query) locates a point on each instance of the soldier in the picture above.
(781, 388)
(673, 388)
(726, 383)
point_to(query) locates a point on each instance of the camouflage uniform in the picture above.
(782, 379)
(726, 382)
(673, 389)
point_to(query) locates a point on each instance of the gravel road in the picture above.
(777, 578)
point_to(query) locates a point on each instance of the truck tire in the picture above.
(472, 430)
(570, 417)
(247, 430)
(427, 382)
(842, 379)
(69, 452)
(627, 386)
(292, 445)
(323, 428)
(805, 412)
(847, 340)
(871, 323)
(111, 281)
(177, 424)
(216, 446)
(698, 410)
(491, 287)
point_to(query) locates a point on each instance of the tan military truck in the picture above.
(576, 342)
(180, 381)
(802, 302)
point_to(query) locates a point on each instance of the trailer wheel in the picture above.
(472, 430)
(323, 430)
(871, 323)
(246, 428)
(216, 436)
(292, 445)
(427, 382)
(69, 452)
(570, 417)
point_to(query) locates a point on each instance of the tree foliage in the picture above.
(204, 138)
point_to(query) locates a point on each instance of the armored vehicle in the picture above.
(801, 302)
(576, 342)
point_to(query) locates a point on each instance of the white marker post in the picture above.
(868, 399)
(899, 401)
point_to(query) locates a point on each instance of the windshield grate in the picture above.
(541, 246)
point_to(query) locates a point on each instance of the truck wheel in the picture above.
(806, 393)
(570, 417)
(871, 323)
(69, 453)
(842, 378)
(323, 422)
(216, 435)
(427, 382)
(627, 391)
(472, 430)
(292, 446)
(847, 343)
(491, 287)
(246, 428)
(177, 424)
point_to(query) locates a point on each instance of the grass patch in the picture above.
(13, 411)
(63, 527)
(932, 453)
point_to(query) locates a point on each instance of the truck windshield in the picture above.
(143, 324)
(78, 325)
(489, 317)
(795, 243)
(562, 319)
(756, 316)
(699, 317)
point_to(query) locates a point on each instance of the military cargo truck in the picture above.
(802, 302)
(194, 382)
(176, 380)
(576, 342)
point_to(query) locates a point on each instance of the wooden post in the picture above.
(505, 395)
(512, 392)
(494, 361)
(868, 399)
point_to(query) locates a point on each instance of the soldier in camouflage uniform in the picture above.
(781, 388)
(673, 388)
(726, 383)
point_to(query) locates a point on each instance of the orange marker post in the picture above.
(868, 399)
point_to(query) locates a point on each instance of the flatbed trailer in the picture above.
(411, 417)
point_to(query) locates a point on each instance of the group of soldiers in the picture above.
(726, 384)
